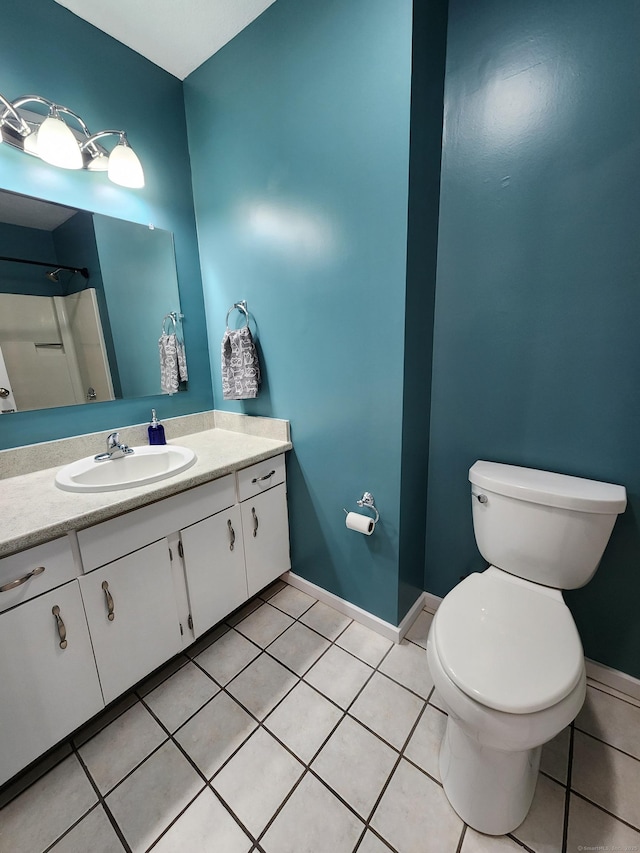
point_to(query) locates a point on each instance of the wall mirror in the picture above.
(84, 299)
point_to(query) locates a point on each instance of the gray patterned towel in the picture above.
(173, 363)
(240, 367)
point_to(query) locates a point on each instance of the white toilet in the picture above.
(503, 649)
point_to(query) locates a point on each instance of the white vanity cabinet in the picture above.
(141, 587)
(132, 616)
(265, 524)
(214, 568)
(46, 691)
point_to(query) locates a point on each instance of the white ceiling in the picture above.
(177, 35)
(32, 212)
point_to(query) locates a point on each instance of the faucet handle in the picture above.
(113, 440)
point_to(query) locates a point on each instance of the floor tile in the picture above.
(419, 631)
(94, 833)
(148, 800)
(407, 664)
(293, 601)
(271, 771)
(339, 676)
(105, 718)
(180, 696)
(364, 643)
(35, 819)
(215, 732)
(555, 756)
(264, 625)
(205, 827)
(387, 708)
(611, 720)
(543, 827)
(161, 675)
(271, 590)
(262, 685)
(227, 656)
(607, 776)
(424, 747)
(414, 808)
(242, 612)
(206, 639)
(325, 620)
(476, 842)
(372, 844)
(591, 828)
(25, 780)
(121, 746)
(303, 704)
(313, 820)
(298, 648)
(356, 764)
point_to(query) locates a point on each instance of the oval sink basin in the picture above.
(144, 465)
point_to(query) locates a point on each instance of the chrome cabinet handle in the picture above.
(232, 535)
(266, 477)
(19, 581)
(62, 631)
(255, 521)
(110, 615)
(4, 392)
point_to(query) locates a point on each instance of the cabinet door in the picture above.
(132, 617)
(266, 537)
(214, 568)
(47, 691)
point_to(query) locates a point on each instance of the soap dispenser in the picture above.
(156, 430)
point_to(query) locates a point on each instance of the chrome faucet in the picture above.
(115, 450)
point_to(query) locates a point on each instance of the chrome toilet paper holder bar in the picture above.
(367, 500)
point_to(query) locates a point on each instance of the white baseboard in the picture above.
(605, 676)
(613, 678)
(385, 629)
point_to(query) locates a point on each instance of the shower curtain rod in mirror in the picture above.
(82, 270)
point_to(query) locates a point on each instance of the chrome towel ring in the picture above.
(239, 306)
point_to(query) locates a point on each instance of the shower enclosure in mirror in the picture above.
(82, 302)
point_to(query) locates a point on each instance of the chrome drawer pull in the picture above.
(255, 521)
(232, 535)
(110, 615)
(266, 477)
(62, 631)
(19, 581)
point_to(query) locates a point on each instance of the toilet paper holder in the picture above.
(367, 500)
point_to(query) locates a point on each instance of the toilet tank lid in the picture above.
(548, 488)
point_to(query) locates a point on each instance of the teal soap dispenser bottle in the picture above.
(156, 430)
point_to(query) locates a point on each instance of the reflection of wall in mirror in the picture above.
(53, 349)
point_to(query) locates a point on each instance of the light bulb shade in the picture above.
(99, 163)
(57, 144)
(31, 143)
(124, 167)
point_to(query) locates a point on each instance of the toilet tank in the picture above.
(549, 528)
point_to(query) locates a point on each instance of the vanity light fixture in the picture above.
(67, 145)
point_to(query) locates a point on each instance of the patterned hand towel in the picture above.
(173, 363)
(240, 367)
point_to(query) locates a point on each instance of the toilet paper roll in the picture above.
(361, 523)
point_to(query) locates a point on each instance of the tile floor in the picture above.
(292, 729)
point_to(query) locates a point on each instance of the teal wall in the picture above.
(109, 86)
(32, 244)
(537, 345)
(299, 141)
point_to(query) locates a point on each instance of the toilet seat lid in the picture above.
(506, 645)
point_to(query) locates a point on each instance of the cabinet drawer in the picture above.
(119, 536)
(55, 557)
(260, 477)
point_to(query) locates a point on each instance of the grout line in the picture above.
(567, 796)
(462, 835)
(606, 743)
(606, 811)
(103, 803)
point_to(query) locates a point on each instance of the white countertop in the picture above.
(35, 510)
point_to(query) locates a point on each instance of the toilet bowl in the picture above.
(503, 649)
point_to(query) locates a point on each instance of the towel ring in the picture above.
(242, 307)
(173, 316)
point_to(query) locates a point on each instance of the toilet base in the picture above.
(490, 790)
